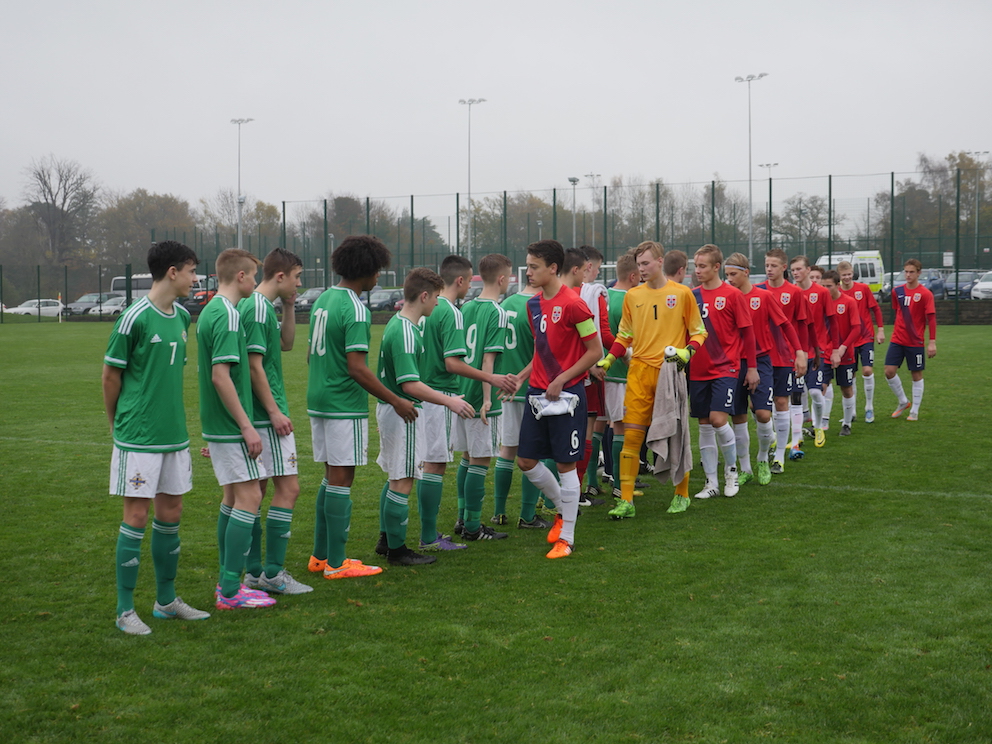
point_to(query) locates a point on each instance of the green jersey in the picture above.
(220, 339)
(150, 347)
(339, 324)
(614, 304)
(444, 336)
(519, 340)
(262, 332)
(485, 331)
(399, 355)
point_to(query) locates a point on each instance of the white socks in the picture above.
(917, 396)
(742, 437)
(766, 431)
(869, 383)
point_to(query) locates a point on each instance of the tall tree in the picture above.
(62, 195)
(124, 225)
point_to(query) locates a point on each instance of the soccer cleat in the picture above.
(443, 542)
(352, 568)
(845, 430)
(809, 432)
(709, 491)
(246, 598)
(623, 510)
(555, 531)
(499, 519)
(899, 411)
(777, 468)
(251, 581)
(744, 478)
(178, 610)
(796, 453)
(679, 504)
(382, 546)
(820, 438)
(869, 416)
(459, 527)
(484, 533)
(403, 556)
(730, 485)
(535, 524)
(561, 549)
(593, 491)
(131, 624)
(764, 474)
(316, 565)
(586, 500)
(913, 417)
(640, 484)
(282, 583)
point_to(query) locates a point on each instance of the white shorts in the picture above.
(278, 453)
(401, 452)
(615, 392)
(437, 428)
(476, 438)
(144, 474)
(340, 442)
(233, 465)
(513, 414)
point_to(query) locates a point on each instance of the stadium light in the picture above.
(769, 166)
(573, 180)
(977, 155)
(241, 198)
(750, 197)
(470, 102)
(540, 226)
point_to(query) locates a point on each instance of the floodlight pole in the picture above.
(573, 180)
(241, 198)
(540, 230)
(750, 198)
(978, 185)
(470, 102)
(592, 185)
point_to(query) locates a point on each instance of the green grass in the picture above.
(845, 602)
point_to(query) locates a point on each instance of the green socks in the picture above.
(460, 477)
(253, 564)
(278, 526)
(337, 513)
(237, 541)
(529, 494)
(592, 473)
(429, 498)
(617, 449)
(503, 481)
(222, 519)
(165, 556)
(475, 492)
(128, 559)
(396, 511)
(320, 525)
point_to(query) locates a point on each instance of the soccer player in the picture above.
(478, 438)
(789, 296)
(340, 382)
(715, 369)
(615, 381)
(871, 319)
(235, 445)
(845, 331)
(656, 314)
(441, 364)
(771, 329)
(815, 300)
(401, 442)
(267, 338)
(565, 347)
(143, 394)
(915, 312)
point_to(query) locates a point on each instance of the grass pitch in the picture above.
(845, 602)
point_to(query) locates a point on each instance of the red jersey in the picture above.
(868, 309)
(728, 324)
(817, 299)
(558, 338)
(845, 327)
(773, 334)
(914, 312)
(790, 298)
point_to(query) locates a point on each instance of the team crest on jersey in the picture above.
(755, 303)
(916, 297)
(786, 298)
(556, 314)
(841, 309)
(813, 298)
(720, 303)
(184, 336)
(671, 301)
(859, 295)
(137, 481)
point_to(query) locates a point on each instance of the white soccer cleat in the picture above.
(730, 485)
(709, 491)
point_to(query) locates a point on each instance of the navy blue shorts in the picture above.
(782, 384)
(824, 374)
(845, 373)
(559, 438)
(706, 396)
(761, 398)
(914, 356)
(865, 354)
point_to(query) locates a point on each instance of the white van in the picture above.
(141, 284)
(868, 267)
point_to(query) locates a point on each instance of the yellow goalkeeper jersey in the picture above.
(655, 318)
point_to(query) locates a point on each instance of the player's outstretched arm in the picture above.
(359, 371)
(455, 403)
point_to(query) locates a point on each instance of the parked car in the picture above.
(48, 308)
(961, 283)
(89, 300)
(982, 289)
(201, 294)
(304, 302)
(889, 281)
(932, 279)
(113, 306)
(385, 299)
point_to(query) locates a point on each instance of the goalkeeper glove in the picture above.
(606, 362)
(681, 357)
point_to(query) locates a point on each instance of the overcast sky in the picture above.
(362, 97)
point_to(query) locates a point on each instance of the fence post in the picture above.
(458, 224)
(713, 212)
(283, 224)
(1, 293)
(504, 223)
(957, 248)
(830, 219)
(606, 242)
(39, 293)
(325, 246)
(554, 214)
(413, 234)
(769, 209)
(657, 212)
(368, 215)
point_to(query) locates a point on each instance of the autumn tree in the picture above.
(62, 196)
